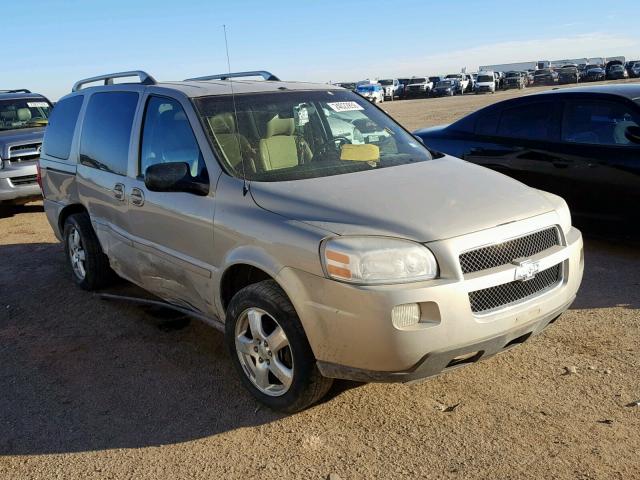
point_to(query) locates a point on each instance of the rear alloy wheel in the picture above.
(89, 265)
(270, 350)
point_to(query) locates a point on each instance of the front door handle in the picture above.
(136, 197)
(118, 191)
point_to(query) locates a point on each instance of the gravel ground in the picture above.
(95, 389)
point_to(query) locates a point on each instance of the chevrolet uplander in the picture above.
(323, 238)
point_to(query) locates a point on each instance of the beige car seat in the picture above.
(281, 148)
(231, 142)
(24, 114)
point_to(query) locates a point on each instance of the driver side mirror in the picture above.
(633, 134)
(173, 177)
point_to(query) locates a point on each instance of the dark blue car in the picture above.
(580, 143)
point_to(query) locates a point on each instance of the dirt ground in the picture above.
(96, 389)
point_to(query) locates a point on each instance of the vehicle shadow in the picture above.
(612, 272)
(7, 210)
(78, 373)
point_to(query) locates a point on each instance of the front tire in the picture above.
(270, 350)
(90, 268)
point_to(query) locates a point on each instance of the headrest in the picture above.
(223, 123)
(280, 126)
(24, 114)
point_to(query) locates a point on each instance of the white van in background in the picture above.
(485, 83)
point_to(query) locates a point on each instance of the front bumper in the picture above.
(352, 336)
(18, 182)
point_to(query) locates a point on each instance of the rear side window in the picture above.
(106, 131)
(598, 122)
(62, 123)
(535, 121)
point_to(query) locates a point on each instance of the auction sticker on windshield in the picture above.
(345, 106)
(37, 104)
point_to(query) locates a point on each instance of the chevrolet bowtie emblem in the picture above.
(526, 269)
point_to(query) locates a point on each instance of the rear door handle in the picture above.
(118, 191)
(136, 197)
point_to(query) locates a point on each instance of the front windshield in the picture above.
(543, 72)
(454, 76)
(385, 83)
(24, 113)
(445, 83)
(512, 74)
(419, 80)
(592, 66)
(485, 78)
(434, 79)
(305, 134)
(366, 88)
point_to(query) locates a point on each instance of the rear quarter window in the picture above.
(62, 124)
(106, 131)
(533, 121)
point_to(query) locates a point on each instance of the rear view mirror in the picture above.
(173, 177)
(633, 134)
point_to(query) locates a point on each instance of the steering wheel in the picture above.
(340, 141)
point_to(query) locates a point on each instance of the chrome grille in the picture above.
(516, 291)
(506, 252)
(23, 153)
(23, 180)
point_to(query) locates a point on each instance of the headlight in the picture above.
(377, 260)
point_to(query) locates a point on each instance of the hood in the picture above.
(423, 202)
(430, 130)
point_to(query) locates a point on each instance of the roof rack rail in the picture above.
(225, 76)
(145, 79)
(17, 90)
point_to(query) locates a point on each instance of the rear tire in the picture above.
(90, 268)
(258, 315)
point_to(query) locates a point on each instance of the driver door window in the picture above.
(167, 137)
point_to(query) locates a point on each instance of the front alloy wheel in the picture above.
(264, 352)
(270, 350)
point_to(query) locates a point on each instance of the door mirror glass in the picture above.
(173, 177)
(633, 134)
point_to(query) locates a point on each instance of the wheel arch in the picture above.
(68, 211)
(245, 266)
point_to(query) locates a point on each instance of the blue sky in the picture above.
(48, 44)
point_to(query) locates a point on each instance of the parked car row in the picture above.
(492, 81)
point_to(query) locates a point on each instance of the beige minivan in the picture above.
(324, 239)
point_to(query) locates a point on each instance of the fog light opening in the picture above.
(406, 315)
(465, 358)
